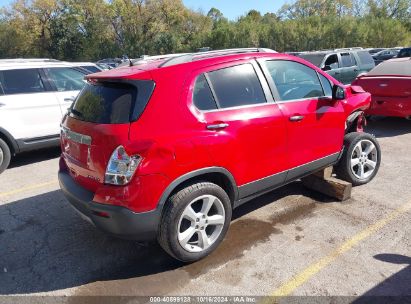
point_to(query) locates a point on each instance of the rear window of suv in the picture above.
(112, 103)
(365, 57)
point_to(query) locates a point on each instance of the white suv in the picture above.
(34, 96)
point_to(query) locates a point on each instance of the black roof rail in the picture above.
(210, 54)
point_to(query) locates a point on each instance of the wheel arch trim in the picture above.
(193, 174)
(9, 140)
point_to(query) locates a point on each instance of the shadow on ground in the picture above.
(46, 246)
(394, 289)
(32, 157)
(388, 126)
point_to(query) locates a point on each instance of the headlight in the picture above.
(121, 167)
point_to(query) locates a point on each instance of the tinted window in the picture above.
(327, 86)
(20, 82)
(105, 103)
(294, 80)
(203, 97)
(365, 57)
(347, 60)
(66, 79)
(237, 86)
(404, 53)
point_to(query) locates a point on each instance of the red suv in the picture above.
(166, 149)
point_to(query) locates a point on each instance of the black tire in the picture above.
(175, 205)
(344, 170)
(5, 156)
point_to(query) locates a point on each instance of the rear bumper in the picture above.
(389, 106)
(114, 220)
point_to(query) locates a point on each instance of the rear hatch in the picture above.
(98, 122)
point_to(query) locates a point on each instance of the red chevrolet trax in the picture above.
(167, 149)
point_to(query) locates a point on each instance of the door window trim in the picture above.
(260, 76)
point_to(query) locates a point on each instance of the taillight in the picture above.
(121, 167)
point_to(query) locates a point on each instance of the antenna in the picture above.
(125, 57)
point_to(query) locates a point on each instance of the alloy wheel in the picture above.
(364, 159)
(201, 223)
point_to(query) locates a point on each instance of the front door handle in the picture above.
(69, 99)
(217, 126)
(296, 118)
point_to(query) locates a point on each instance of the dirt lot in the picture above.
(289, 242)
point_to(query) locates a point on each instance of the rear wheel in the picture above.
(195, 221)
(5, 155)
(361, 159)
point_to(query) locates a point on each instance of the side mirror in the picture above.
(338, 93)
(327, 68)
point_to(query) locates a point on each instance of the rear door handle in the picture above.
(217, 126)
(296, 118)
(2, 104)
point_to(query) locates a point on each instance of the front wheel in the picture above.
(195, 221)
(361, 159)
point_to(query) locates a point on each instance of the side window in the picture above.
(237, 86)
(294, 80)
(353, 60)
(327, 86)
(346, 60)
(66, 79)
(332, 62)
(203, 97)
(22, 81)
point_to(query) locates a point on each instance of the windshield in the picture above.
(106, 103)
(112, 102)
(393, 67)
(91, 68)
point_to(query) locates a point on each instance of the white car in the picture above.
(34, 96)
(89, 66)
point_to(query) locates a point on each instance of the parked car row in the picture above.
(381, 55)
(342, 64)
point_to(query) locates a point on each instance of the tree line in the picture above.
(95, 29)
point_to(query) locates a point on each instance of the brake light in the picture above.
(121, 167)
